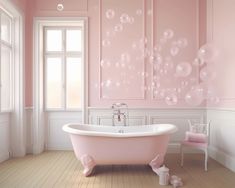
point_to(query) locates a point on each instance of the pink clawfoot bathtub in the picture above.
(105, 145)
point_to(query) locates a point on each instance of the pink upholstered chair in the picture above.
(197, 137)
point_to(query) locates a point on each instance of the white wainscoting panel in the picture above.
(29, 129)
(4, 136)
(144, 116)
(57, 139)
(222, 136)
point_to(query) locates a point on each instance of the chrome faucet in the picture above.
(120, 110)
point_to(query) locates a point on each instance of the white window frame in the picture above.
(10, 46)
(63, 55)
(39, 113)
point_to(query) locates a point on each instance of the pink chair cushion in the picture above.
(195, 144)
(195, 137)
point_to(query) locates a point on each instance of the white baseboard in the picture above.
(4, 156)
(223, 158)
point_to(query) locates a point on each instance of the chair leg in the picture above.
(206, 159)
(182, 155)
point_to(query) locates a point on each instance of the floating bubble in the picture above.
(106, 42)
(110, 14)
(207, 53)
(194, 97)
(157, 48)
(174, 50)
(168, 34)
(139, 12)
(156, 59)
(171, 99)
(182, 42)
(207, 74)
(118, 28)
(124, 18)
(117, 64)
(183, 69)
(184, 83)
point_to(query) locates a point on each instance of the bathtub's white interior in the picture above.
(120, 131)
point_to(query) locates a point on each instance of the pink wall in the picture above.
(21, 4)
(223, 38)
(124, 75)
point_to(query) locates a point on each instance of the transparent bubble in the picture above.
(168, 65)
(174, 50)
(110, 14)
(207, 53)
(183, 69)
(117, 64)
(118, 28)
(207, 74)
(182, 42)
(139, 12)
(184, 83)
(171, 99)
(194, 97)
(106, 42)
(168, 34)
(124, 18)
(125, 57)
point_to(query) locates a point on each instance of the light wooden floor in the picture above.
(62, 169)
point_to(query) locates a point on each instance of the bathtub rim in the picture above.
(172, 129)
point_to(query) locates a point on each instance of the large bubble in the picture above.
(207, 53)
(110, 14)
(171, 99)
(183, 69)
(194, 97)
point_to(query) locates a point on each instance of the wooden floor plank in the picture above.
(61, 169)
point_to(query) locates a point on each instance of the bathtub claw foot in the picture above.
(157, 162)
(88, 164)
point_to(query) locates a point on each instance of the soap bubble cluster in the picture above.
(173, 79)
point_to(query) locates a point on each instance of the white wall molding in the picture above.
(222, 140)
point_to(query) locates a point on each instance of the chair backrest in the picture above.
(203, 128)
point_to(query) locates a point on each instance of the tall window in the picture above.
(6, 54)
(63, 61)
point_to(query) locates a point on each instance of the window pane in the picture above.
(54, 82)
(5, 78)
(5, 28)
(54, 40)
(73, 82)
(73, 40)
